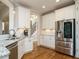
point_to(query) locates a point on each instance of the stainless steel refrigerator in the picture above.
(65, 36)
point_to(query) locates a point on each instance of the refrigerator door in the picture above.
(65, 37)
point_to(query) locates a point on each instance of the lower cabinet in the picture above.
(20, 49)
(24, 46)
(28, 45)
(48, 41)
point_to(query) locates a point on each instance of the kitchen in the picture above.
(28, 29)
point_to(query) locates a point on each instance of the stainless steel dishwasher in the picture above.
(13, 48)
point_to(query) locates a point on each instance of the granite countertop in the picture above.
(8, 42)
(3, 50)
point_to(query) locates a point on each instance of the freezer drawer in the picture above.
(64, 50)
(65, 44)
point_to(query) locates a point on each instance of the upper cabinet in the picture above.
(22, 17)
(48, 21)
(65, 13)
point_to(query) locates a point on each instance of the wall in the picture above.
(11, 17)
(77, 27)
(4, 12)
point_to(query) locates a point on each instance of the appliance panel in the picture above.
(65, 44)
(67, 29)
(65, 37)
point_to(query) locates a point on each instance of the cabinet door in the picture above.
(28, 45)
(65, 13)
(20, 49)
(42, 40)
(52, 41)
(48, 41)
(44, 21)
(22, 17)
(48, 21)
(45, 41)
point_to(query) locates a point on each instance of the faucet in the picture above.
(12, 34)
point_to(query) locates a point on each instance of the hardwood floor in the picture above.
(45, 53)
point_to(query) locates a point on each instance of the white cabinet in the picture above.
(22, 17)
(28, 45)
(20, 49)
(52, 39)
(65, 13)
(24, 46)
(48, 41)
(48, 21)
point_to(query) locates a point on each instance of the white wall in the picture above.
(77, 27)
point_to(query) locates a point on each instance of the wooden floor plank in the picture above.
(44, 53)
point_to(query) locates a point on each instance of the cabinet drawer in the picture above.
(63, 50)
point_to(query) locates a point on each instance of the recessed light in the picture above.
(57, 0)
(43, 6)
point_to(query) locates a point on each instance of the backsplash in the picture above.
(20, 33)
(48, 32)
(3, 37)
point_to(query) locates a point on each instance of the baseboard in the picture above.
(28, 52)
(46, 47)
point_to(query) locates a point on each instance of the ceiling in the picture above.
(50, 4)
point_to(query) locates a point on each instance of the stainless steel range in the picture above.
(65, 37)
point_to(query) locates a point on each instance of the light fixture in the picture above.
(57, 0)
(34, 17)
(13, 12)
(43, 6)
